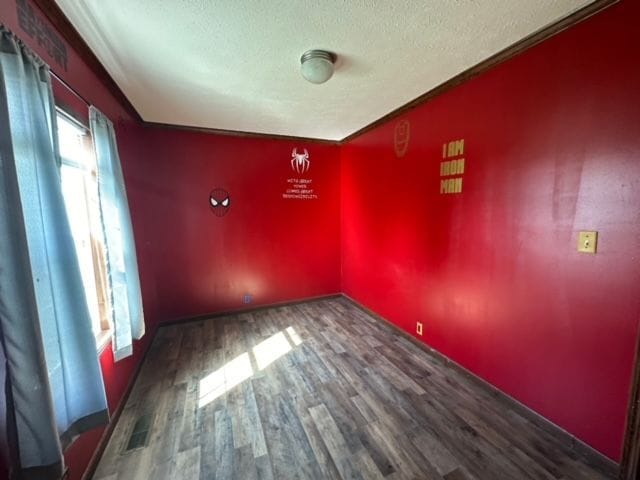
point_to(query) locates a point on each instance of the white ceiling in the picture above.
(234, 64)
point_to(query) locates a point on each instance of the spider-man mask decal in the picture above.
(219, 202)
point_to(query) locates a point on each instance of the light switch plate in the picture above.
(587, 242)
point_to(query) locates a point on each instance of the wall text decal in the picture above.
(37, 28)
(300, 188)
(452, 166)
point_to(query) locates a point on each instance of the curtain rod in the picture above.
(70, 88)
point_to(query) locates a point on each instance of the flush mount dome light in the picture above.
(317, 65)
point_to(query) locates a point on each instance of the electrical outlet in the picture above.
(419, 328)
(248, 298)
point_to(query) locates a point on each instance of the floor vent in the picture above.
(140, 434)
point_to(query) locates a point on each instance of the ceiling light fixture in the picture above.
(317, 65)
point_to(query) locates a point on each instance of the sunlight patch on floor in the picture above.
(271, 349)
(224, 379)
(239, 369)
(293, 335)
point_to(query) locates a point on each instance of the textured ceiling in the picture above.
(234, 64)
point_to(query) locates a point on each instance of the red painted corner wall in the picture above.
(552, 146)
(270, 247)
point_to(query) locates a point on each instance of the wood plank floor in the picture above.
(319, 390)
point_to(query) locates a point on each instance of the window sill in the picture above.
(103, 339)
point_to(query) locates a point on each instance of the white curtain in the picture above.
(54, 388)
(122, 266)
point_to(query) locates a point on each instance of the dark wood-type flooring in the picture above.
(319, 390)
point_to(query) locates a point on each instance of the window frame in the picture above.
(96, 235)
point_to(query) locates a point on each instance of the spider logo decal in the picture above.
(300, 161)
(219, 202)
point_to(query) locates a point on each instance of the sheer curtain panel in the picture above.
(54, 387)
(122, 266)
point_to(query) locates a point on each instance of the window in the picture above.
(80, 191)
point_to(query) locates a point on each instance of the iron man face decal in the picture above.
(219, 202)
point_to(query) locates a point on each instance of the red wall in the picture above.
(552, 143)
(116, 375)
(552, 146)
(273, 248)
